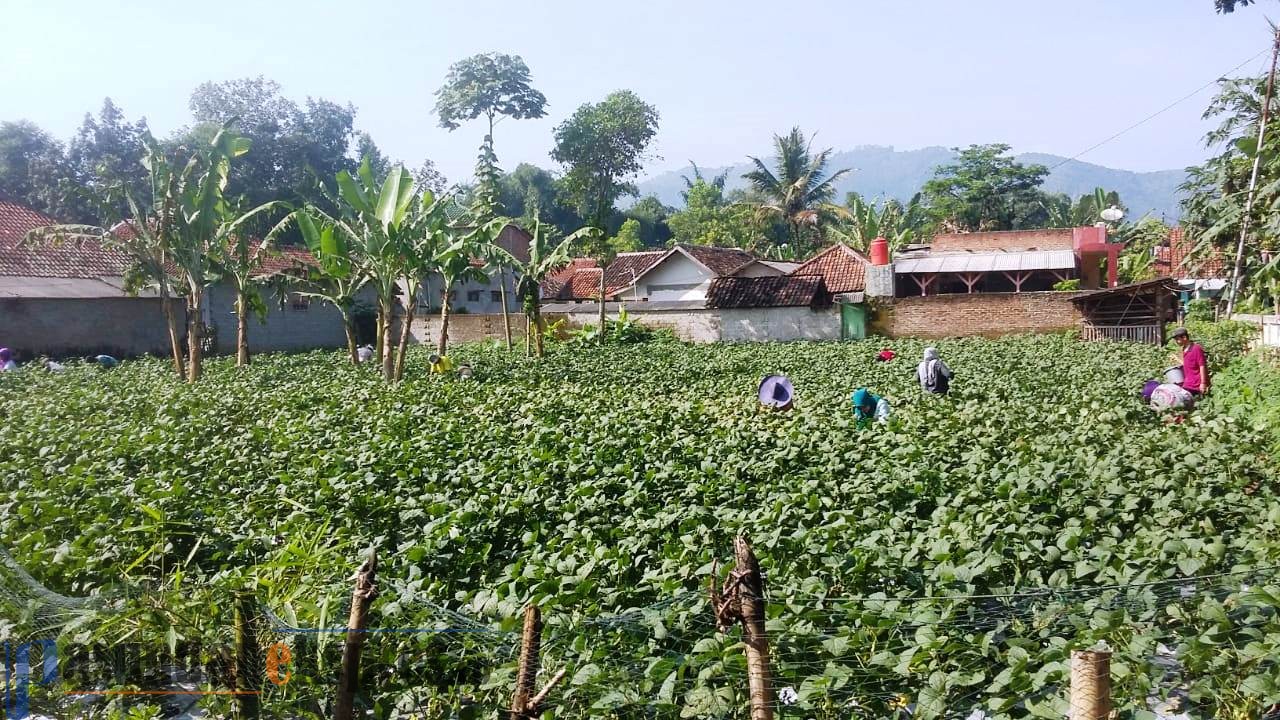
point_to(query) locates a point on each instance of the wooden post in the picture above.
(245, 682)
(357, 621)
(741, 600)
(1090, 685)
(525, 703)
(530, 661)
(751, 608)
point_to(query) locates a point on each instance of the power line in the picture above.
(1162, 110)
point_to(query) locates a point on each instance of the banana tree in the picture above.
(375, 222)
(454, 264)
(544, 258)
(208, 224)
(335, 279)
(240, 260)
(428, 237)
(144, 239)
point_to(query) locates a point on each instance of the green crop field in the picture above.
(602, 484)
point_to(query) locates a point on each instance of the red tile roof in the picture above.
(1176, 259)
(580, 279)
(88, 258)
(842, 268)
(284, 259)
(80, 259)
(778, 291)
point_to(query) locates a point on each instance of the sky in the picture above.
(1042, 76)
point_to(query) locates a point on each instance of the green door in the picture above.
(853, 321)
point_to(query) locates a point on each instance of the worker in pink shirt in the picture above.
(1195, 371)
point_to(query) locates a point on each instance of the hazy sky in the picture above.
(1043, 76)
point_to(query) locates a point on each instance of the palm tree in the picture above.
(798, 190)
(376, 223)
(144, 239)
(427, 241)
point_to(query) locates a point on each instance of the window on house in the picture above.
(299, 302)
(674, 287)
(495, 296)
(473, 296)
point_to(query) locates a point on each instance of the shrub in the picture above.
(1200, 310)
(1249, 389)
(1223, 341)
(1072, 284)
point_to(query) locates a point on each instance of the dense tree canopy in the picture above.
(602, 147)
(34, 171)
(489, 84)
(1216, 192)
(985, 189)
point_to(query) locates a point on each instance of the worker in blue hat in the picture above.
(868, 406)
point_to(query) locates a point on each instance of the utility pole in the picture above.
(1238, 268)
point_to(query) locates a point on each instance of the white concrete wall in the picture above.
(678, 269)
(69, 326)
(779, 324)
(1271, 333)
(486, 294)
(696, 325)
(710, 325)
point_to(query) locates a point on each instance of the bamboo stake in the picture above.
(1237, 268)
(1090, 685)
(357, 621)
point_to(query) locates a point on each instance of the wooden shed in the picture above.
(1137, 312)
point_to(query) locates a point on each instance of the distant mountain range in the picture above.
(880, 171)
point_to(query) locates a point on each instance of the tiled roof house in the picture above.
(843, 269)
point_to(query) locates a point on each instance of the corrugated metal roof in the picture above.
(65, 288)
(987, 262)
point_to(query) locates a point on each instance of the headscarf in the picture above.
(862, 398)
(5, 355)
(928, 369)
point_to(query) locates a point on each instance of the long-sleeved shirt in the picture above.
(1195, 373)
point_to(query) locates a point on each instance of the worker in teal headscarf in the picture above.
(867, 406)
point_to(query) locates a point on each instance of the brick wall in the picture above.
(1054, 239)
(985, 314)
(468, 327)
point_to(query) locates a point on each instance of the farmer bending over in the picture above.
(440, 364)
(867, 406)
(6, 360)
(1195, 370)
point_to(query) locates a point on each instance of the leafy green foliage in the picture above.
(1223, 341)
(488, 84)
(1216, 192)
(798, 189)
(1040, 470)
(1249, 389)
(602, 147)
(986, 190)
